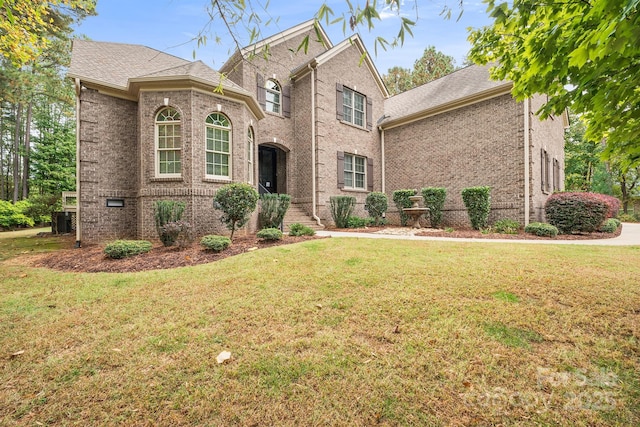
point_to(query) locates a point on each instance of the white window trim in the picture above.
(353, 172)
(272, 91)
(353, 94)
(157, 124)
(230, 153)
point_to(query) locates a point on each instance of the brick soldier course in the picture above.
(322, 124)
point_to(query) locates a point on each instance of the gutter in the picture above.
(313, 147)
(382, 160)
(527, 124)
(78, 88)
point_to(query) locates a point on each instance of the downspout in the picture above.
(78, 88)
(313, 146)
(527, 125)
(382, 160)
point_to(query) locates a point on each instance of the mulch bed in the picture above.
(475, 234)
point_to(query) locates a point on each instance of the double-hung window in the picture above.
(218, 146)
(168, 143)
(354, 171)
(353, 107)
(273, 93)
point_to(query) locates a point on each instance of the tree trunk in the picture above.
(3, 191)
(16, 155)
(27, 150)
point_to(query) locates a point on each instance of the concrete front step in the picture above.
(297, 215)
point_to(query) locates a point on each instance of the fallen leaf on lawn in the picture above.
(224, 356)
(17, 353)
(318, 305)
(252, 249)
(117, 350)
(22, 276)
(187, 257)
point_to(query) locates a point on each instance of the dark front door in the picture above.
(268, 168)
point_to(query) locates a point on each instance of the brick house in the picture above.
(310, 124)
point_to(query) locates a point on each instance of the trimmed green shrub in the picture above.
(236, 201)
(269, 234)
(613, 204)
(610, 226)
(434, 198)
(11, 216)
(297, 229)
(273, 208)
(506, 226)
(627, 218)
(576, 212)
(401, 200)
(341, 208)
(215, 243)
(126, 248)
(376, 204)
(541, 229)
(164, 212)
(477, 200)
(357, 222)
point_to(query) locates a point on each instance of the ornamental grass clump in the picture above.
(434, 198)
(576, 212)
(610, 226)
(376, 204)
(126, 248)
(215, 243)
(401, 200)
(273, 208)
(341, 209)
(477, 200)
(164, 212)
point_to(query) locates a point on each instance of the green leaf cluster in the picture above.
(477, 200)
(434, 198)
(236, 201)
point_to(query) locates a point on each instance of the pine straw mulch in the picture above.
(91, 258)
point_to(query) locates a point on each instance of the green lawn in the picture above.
(331, 332)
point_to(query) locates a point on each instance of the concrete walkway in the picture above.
(630, 236)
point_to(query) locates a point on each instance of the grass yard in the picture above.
(331, 332)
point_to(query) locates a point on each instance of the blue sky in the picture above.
(169, 25)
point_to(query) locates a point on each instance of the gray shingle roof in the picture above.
(114, 63)
(459, 85)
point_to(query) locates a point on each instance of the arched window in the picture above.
(168, 143)
(273, 96)
(218, 146)
(250, 150)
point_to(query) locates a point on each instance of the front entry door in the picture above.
(268, 167)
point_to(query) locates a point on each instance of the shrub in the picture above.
(357, 222)
(164, 212)
(613, 204)
(627, 218)
(126, 248)
(541, 229)
(273, 207)
(215, 243)
(401, 200)
(298, 229)
(40, 207)
(179, 232)
(576, 212)
(376, 204)
(236, 201)
(270, 234)
(506, 226)
(477, 200)
(11, 216)
(434, 198)
(610, 226)
(341, 208)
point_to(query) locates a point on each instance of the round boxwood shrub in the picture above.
(297, 229)
(477, 200)
(215, 243)
(236, 201)
(610, 226)
(434, 198)
(376, 204)
(126, 248)
(576, 212)
(269, 234)
(541, 229)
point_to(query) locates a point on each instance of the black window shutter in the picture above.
(286, 101)
(542, 169)
(339, 101)
(369, 114)
(261, 91)
(369, 174)
(340, 169)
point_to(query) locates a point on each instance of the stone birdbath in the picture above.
(415, 211)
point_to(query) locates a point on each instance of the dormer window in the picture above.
(273, 93)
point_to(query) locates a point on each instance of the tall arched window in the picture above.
(218, 146)
(250, 150)
(168, 143)
(273, 96)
